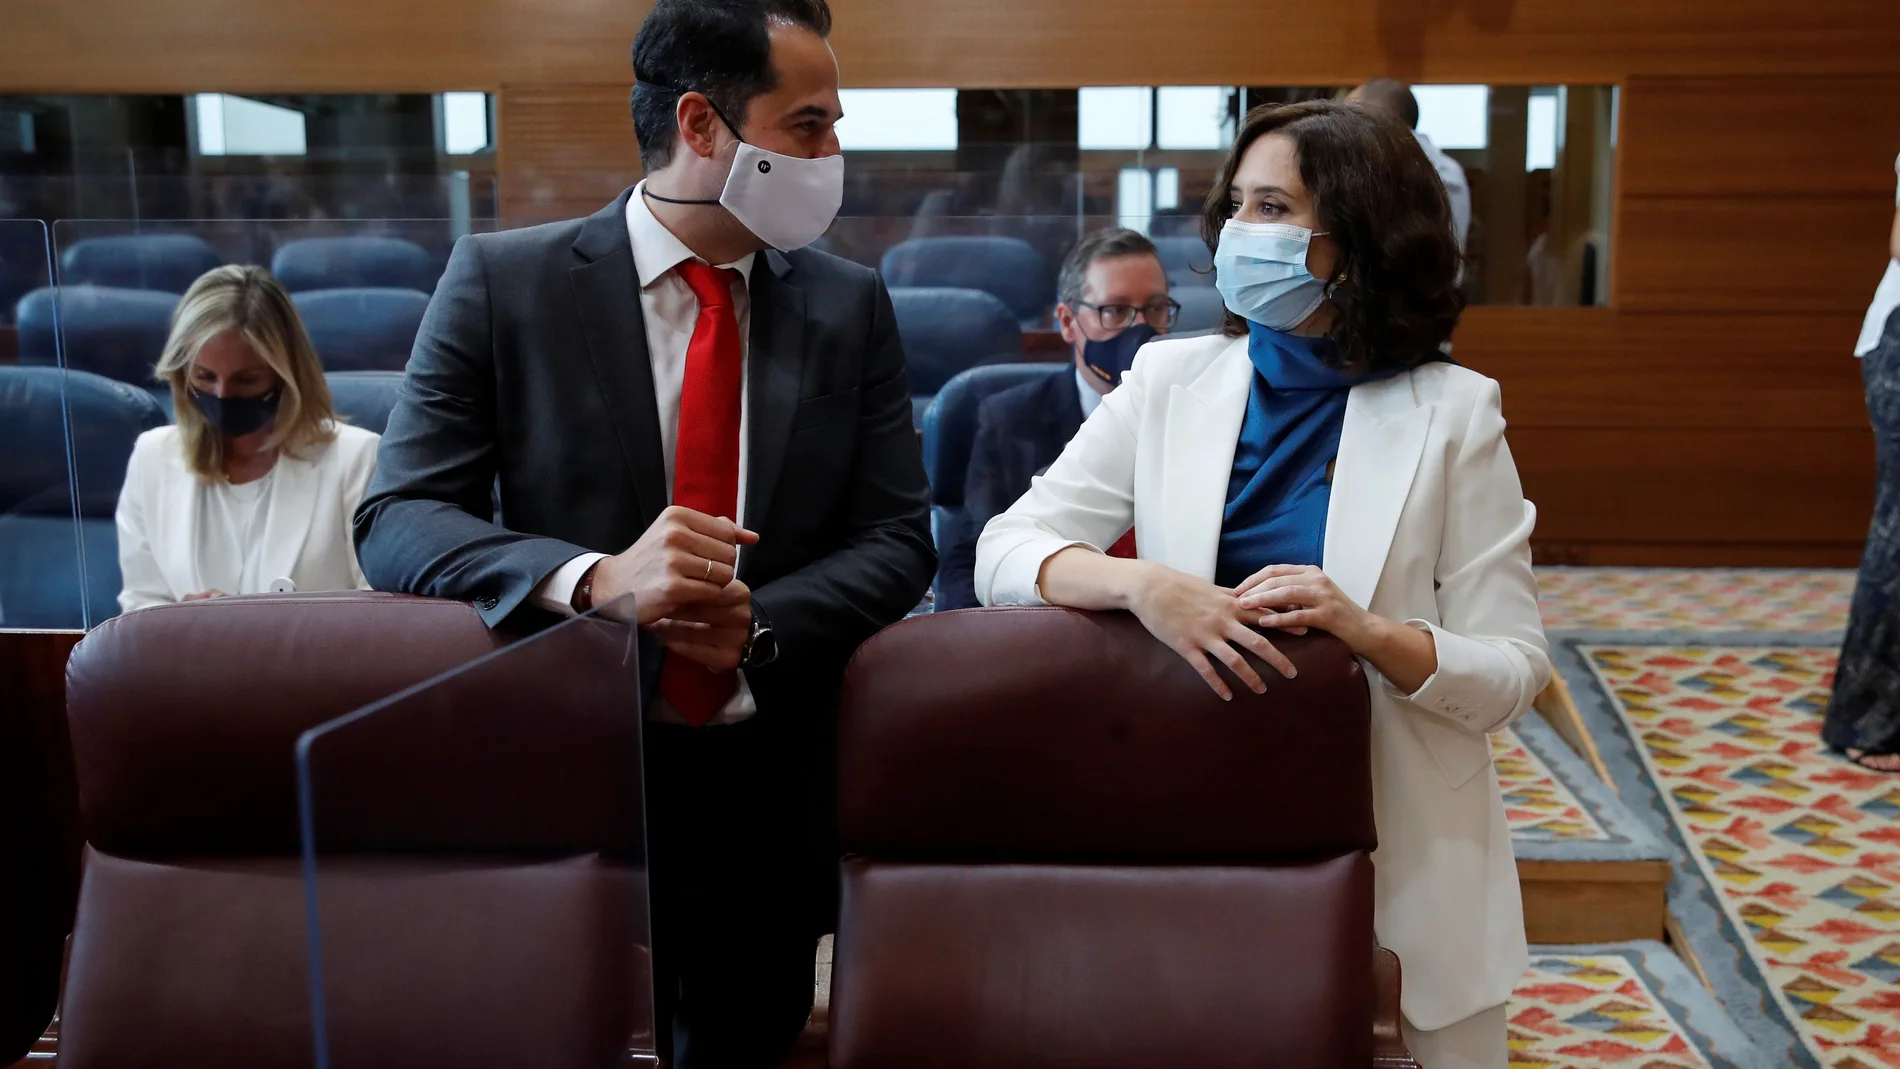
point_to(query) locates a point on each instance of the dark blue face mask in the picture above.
(235, 417)
(1108, 359)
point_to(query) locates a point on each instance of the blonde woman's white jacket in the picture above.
(306, 526)
(1427, 524)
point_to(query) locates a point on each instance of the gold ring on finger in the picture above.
(708, 576)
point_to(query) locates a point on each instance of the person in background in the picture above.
(1394, 100)
(1321, 465)
(685, 404)
(1863, 716)
(253, 488)
(1113, 295)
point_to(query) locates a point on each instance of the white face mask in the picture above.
(788, 202)
(1260, 270)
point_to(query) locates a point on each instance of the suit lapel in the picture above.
(294, 485)
(775, 368)
(607, 299)
(1379, 451)
(1203, 430)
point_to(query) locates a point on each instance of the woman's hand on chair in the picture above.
(1295, 597)
(1203, 623)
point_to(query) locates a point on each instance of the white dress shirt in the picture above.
(670, 311)
(1886, 299)
(1457, 187)
(1091, 400)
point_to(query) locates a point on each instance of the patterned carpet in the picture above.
(1798, 849)
(1627, 1005)
(1682, 599)
(1538, 805)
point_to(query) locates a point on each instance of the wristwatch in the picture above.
(761, 646)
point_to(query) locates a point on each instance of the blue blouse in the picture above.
(1281, 484)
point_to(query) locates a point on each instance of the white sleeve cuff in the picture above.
(556, 592)
(1019, 574)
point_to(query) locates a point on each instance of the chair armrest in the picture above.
(1388, 1038)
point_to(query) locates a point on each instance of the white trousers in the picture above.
(1477, 1042)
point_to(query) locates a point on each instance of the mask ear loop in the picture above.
(664, 88)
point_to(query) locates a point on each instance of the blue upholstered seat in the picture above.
(1186, 260)
(367, 329)
(364, 398)
(946, 331)
(354, 261)
(1006, 267)
(118, 333)
(168, 262)
(54, 574)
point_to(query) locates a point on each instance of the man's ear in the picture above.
(1065, 322)
(699, 124)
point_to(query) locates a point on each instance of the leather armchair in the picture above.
(468, 917)
(1063, 850)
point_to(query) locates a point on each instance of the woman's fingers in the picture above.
(1205, 670)
(1273, 571)
(1224, 651)
(1260, 646)
(1295, 622)
(1285, 592)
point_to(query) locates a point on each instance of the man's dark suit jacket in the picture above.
(531, 367)
(1019, 433)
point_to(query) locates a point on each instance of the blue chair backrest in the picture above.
(1201, 309)
(364, 398)
(950, 422)
(362, 329)
(117, 333)
(354, 261)
(1184, 259)
(40, 571)
(946, 331)
(169, 262)
(1008, 268)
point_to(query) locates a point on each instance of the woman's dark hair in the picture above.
(720, 48)
(1396, 285)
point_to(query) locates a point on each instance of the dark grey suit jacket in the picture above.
(531, 367)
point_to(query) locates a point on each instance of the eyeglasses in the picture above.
(1159, 314)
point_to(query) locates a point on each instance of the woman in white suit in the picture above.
(253, 488)
(1322, 465)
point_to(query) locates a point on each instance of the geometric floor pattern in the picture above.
(1801, 848)
(1537, 805)
(1581, 1012)
(1694, 599)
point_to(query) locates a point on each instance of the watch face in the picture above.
(764, 647)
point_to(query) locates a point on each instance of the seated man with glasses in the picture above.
(1113, 299)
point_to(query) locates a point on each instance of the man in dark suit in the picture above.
(682, 403)
(1113, 296)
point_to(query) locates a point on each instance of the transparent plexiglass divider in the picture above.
(48, 528)
(474, 862)
(323, 193)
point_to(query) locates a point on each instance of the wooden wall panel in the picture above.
(1697, 485)
(1594, 367)
(420, 45)
(1756, 254)
(563, 150)
(1820, 136)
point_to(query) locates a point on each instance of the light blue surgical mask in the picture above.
(1260, 270)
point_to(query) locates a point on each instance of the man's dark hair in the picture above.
(720, 48)
(1392, 97)
(1107, 243)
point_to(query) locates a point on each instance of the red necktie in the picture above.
(706, 462)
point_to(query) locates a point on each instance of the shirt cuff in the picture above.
(556, 592)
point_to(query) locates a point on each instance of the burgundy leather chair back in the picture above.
(1062, 849)
(467, 915)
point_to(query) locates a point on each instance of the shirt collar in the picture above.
(655, 248)
(1090, 399)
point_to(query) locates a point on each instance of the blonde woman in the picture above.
(252, 489)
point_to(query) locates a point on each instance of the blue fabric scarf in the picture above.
(1280, 488)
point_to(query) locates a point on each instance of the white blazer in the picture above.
(306, 524)
(1427, 524)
